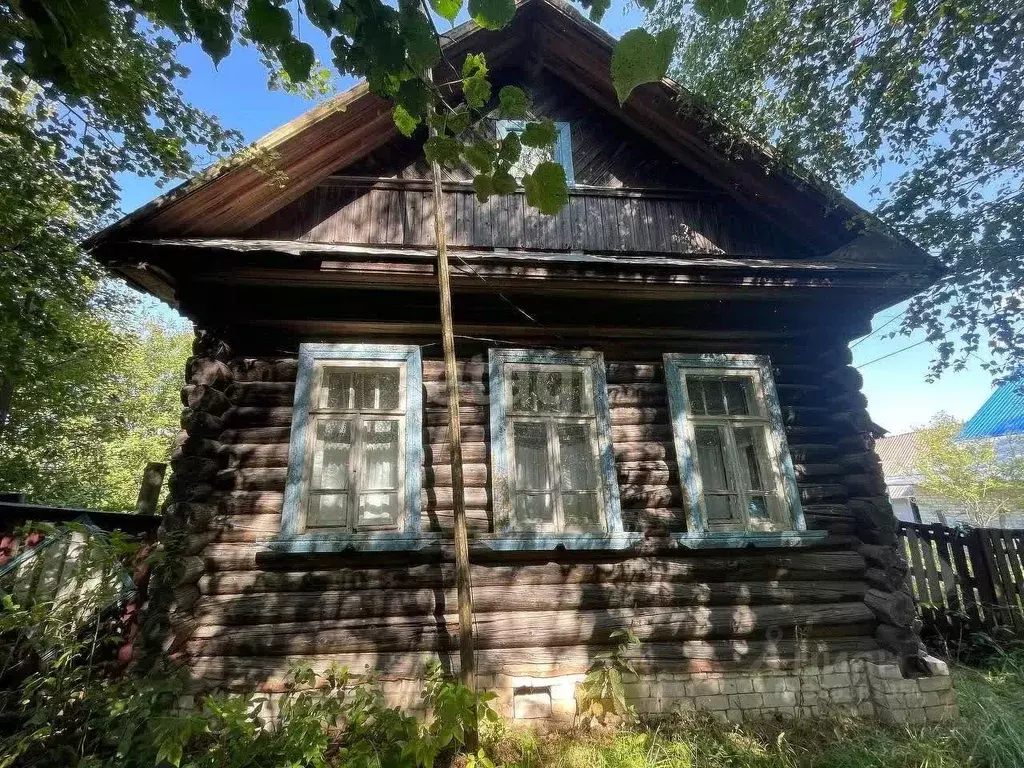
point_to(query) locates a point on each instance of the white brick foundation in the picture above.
(857, 686)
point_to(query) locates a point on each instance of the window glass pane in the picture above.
(535, 509)
(360, 389)
(581, 510)
(757, 508)
(531, 454)
(379, 389)
(327, 510)
(750, 453)
(378, 509)
(380, 455)
(338, 388)
(719, 507)
(579, 472)
(737, 395)
(695, 392)
(331, 451)
(711, 459)
(714, 396)
(549, 391)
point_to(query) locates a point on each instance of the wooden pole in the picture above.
(467, 664)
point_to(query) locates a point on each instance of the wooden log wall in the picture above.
(242, 612)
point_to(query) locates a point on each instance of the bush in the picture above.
(65, 702)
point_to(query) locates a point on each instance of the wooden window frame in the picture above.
(312, 359)
(561, 152)
(788, 513)
(507, 536)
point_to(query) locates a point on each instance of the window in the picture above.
(730, 443)
(531, 157)
(356, 444)
(551, 444)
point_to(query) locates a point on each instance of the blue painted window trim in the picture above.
(508, 538)
(697, 534)
(561, 152)
(292, 538)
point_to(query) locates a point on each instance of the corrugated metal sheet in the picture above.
(1002, 414)
(897, 454)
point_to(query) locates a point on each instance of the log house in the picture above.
(661, 427)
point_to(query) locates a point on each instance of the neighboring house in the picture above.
(1000, 420)
(660, 425)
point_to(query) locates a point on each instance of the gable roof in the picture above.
(1002, 414)
(234, 195)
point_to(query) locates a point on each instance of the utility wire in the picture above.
(882, 327)
(898, 351)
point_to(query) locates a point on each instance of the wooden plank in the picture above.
(965, 578)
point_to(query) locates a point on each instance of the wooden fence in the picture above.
(966, 579)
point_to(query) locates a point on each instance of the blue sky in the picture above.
(899, 398)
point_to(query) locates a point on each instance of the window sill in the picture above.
(516, 542)
(741, 539)
(312, 543)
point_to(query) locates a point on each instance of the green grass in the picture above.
(988, 734)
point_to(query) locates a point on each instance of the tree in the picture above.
(928, 90)
(968, 475)
(91, 409)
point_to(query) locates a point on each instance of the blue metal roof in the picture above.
(1001, 414)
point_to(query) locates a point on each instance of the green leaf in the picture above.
(492, 14)
(212, 26)
(503, 182)
(540, 134)
(268, 23)
(169, 13)
(639, 58)
(899, 9)
(443, 150)
(297, 58)
(405, 122)
(480, 154)
(513, 103)
(546, 188)
(511, 148)
(474, 64)
(484, 187)
(598, 9)
(647, 5)
(421, 45)
(717, 11)
(446, 9)
(321, 13)
(414, 96)
(476, 89)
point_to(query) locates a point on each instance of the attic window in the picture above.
(531, 157)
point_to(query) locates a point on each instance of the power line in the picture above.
(898, 351)
(887, 323)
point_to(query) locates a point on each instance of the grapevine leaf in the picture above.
(297, 58)
(421, 45)
(484, 186)
(503, 182)
(492, 14)
(480, 154)
(268, 23)
(321, 13)
(446, 9)
(639, 58)
(598, 9)
(540, 134)
(405, 122)
(443, 150)
(414, 96)
(511, 148)
(513, 103)
(212, 26)
(546, 188)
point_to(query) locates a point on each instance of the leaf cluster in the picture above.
(919, 100)
(602, 692)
